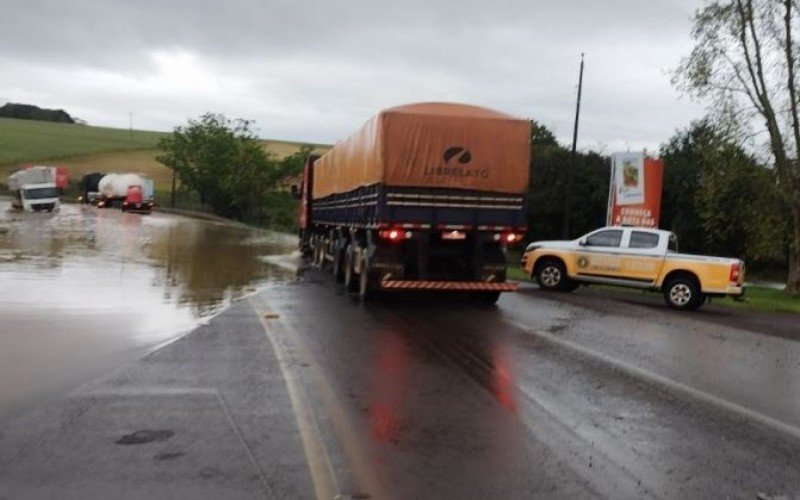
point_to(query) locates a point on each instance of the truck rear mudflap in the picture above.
(472, 286)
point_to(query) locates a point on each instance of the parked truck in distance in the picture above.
(636, 258)
(128, 192)
(423, 197)
(90, 188)
(34, 189)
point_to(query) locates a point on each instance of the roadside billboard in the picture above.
(634, 195)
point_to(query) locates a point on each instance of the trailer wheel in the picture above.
(319, 252)
(338, 265)
(350, 281)
(366, 289)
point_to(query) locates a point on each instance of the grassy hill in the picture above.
(83, 149)
(26, 141)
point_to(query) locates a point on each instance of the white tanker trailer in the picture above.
(129, 192)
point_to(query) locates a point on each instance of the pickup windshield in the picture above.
(40, 193)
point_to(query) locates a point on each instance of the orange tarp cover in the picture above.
(437, 145)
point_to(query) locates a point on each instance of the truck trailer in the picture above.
(128, 192)
(423, 197)
(34, 189)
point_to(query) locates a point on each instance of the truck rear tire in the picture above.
(338, 265)
(552, 276)
(350, 280)
(366, 289)
(683, 293)
(319, 253)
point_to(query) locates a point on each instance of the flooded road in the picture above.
(84, 290)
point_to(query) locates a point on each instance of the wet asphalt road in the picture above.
(549, 396)
(302, 392)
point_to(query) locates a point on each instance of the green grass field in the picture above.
(26, 141)
(84, 149)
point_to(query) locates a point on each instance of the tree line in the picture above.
(717, 198)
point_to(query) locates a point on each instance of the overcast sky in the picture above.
(314, 71)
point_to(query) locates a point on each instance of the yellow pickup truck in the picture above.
(637, 258)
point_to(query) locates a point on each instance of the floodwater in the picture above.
(85, 290)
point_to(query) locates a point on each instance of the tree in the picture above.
(744, 64)
(541, 135)
(682, 157)
(223, 161)
(718, 199)
(547, 181)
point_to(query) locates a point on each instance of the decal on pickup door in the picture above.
(642, 265)
(599, 263)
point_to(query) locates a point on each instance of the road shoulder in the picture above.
(207, 416)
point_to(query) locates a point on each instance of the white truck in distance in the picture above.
(34, 189)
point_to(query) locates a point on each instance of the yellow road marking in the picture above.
(326, 486)
(357, 458)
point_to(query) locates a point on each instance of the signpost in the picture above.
(634, 195)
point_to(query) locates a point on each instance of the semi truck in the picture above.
(90, 188)
(128, 192)
(34, 189)
(423, 197)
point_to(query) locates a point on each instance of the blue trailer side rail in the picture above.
(378, 206)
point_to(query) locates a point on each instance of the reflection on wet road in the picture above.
(443, 399)
(85, 289)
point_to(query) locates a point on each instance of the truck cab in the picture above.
(634, 257)
(135, 202)
(37, 197)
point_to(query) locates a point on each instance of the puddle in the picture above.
(83, 290)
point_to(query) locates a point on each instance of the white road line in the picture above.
(654, 378)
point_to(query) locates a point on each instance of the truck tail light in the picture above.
(508, 238)
(395, 234)
(454, 235)
(736, 271)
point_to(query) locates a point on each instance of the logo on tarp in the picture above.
(461, 154)
(453, 156)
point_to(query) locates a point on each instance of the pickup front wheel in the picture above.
(683, 293)
(551, 275)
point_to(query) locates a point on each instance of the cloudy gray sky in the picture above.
(315, 70)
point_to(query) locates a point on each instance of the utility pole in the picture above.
(571, 165)
(130, 125)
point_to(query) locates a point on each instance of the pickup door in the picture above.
(599, 255)
(644, 254)
(620, 256)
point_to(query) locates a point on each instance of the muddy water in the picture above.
(85, 290)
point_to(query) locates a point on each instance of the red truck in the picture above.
(423, 197)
